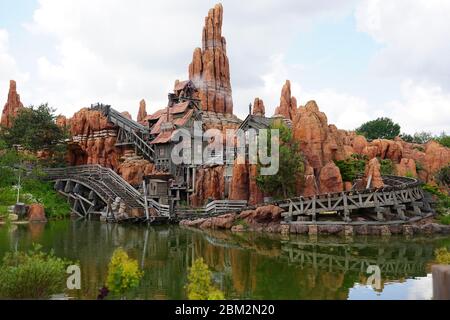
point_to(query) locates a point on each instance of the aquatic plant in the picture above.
(32, 275)
(200, 286)
(123, 273)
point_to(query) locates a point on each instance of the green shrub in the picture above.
(123, 273)
(351, 167)
(443, 139)
(200, 286)
(387, 167)
(442, 205)
(32, 275)
(443, 176)
(442, 256)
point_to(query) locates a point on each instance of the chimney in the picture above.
(250, 109)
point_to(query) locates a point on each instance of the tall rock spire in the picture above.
(210, 70)
(12, 106)
(288, 103)
(142, 111)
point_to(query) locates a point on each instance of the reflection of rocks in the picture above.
(36, 230)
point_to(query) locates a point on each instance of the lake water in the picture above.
(244, 266)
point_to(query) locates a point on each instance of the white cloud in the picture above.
(413, 35)
(8, 66)
(119, 52)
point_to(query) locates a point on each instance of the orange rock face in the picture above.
(258, 108)
(210, 70)
(127, 115)
(373, 172)
(330, 179)
(133, 171)
(239, 189)
(209, 184)
(406, 167)
(12, 106)
(62, 122)
(288, 103)
(319, 142)
(142, 114)
(36, 213)
(94, 140)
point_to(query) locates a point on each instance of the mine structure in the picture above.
(124, 170)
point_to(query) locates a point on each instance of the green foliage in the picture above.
(32, 275)
(442, 205)
(34, 129)
(381, 128)
(443, 176)
(123, 273)
(407, 137)
(419, 166)
(351, 167)
(442, 256)
(443, 139)
(386, 166)
(33, 189)
(291, 166)
(200, 286)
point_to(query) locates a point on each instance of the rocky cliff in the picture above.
(210, 70)
(12, 106)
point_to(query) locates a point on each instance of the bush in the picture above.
(351, 167)
(200, 285)
(443, 176)
(442, 205)
(387, 167)
(32, 275)
(442, 256)
(123, 273)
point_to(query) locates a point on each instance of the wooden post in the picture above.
(441, 282)
(144, 189)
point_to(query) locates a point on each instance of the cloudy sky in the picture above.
(359, 59)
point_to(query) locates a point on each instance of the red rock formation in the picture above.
(94, 140)
(142, 114)
(134, 170)
(62, 122)
(239, 189)
(127, 115)
(319, 142)
(288, 104)
(373, 171)
(330, 179)
(36, 213)
(209, 184)
(436, 157)
(210, 69)
(308, 187)
(388, 149)
(406, 167)
(256, 196)
(12, 106)
(258, 108)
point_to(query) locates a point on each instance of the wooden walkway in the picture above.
(399, 195)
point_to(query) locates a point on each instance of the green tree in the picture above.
(200, 285)
(34, 129)
(443, 139)
(381, 128)
(422, 137)
(291, 165)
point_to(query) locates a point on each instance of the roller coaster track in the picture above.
(130, 132)
(398, 195)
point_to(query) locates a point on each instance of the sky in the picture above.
(358, 59)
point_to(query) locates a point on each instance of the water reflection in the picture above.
(246, 266)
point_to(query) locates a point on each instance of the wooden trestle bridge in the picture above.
(92, 189)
